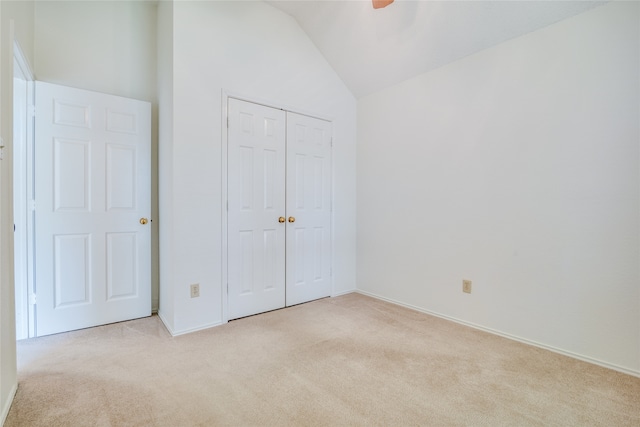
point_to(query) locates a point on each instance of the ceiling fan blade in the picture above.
(379, 4)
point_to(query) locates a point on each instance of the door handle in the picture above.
(281, 219)
(292, 219)
(143, 221)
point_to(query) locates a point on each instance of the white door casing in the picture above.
(278, 208)
(21, 213)
(256, 201)
(309, 204)
(92, 190)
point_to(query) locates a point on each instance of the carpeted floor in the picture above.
(350, 360)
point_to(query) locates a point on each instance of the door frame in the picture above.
(226, 94)
(23, 202)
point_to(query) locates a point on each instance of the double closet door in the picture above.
(279, 208)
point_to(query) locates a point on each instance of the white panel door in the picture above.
(256, 207)
(92, 193)
(308, 271)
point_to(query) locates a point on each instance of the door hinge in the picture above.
(332, 141)
(32, 299)
(227, 288)
(32, 110)
(227, 122)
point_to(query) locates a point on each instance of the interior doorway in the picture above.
(86, 155)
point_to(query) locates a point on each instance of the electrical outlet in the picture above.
(195, 290)
(466, 286)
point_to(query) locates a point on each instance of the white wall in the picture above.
(109, 47)
(165, 156)
(16, 23)
(516, 168)
(252, 49)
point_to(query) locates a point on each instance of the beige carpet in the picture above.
(350, 360)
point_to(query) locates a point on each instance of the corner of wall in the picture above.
(6, 404)
(164, 82)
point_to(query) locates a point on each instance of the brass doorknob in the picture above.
(292, 219)
(143, 221)
(281, 219)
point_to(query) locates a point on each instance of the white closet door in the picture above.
(308, 208)
(92, 193)
(256, 204)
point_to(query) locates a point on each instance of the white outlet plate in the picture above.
(195, 290)
(466, 286)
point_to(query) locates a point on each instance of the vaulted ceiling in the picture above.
(373, 49)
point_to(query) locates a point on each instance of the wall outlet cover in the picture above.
(195, 290)
(466, 286)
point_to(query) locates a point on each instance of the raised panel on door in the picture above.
(256, 201)
(121, 172)
(72, 270)
(122, 266)
(308, 266)
(92, 186)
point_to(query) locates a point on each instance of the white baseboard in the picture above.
(175, 333)
(7, 404)
(509, 336)
(337, 294)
